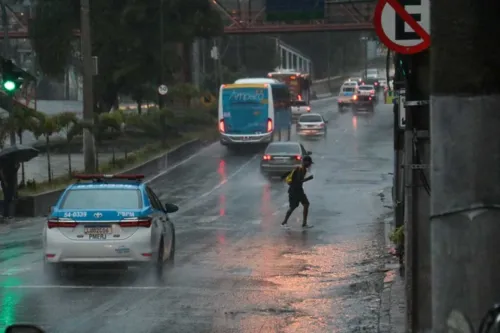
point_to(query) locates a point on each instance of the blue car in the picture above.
(103, 219)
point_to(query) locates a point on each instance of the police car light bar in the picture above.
(107, 176)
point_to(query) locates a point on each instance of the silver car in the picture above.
(312, 124)
(299, 108)
(282, 157)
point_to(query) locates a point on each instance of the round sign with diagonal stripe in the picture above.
(403, 25)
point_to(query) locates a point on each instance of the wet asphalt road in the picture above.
(236, 270)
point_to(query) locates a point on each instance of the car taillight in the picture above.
(369, 98)
(308, 109)
(322, 125)
(60, 223)
(269, 125)
(266, 157)
(298, 157)
(134, 223)
(372, 91)
(222, 128)
(376, 83)
(355, 97)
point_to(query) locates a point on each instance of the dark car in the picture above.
(372, 81)
(281, 157)
(363, 103)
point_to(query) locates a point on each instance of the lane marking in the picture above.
(208, 219)
(175, 166)
(228, 178)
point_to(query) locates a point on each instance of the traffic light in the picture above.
(12, 78)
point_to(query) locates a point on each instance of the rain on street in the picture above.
(235, 270)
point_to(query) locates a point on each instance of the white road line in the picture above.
(228, 178)
(208, 219)
(168, 169)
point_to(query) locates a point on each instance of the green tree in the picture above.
(22, 120)
(4, 130)
(46, 127)
(106, 126)
(183, 94)
(127, 42)
(71, 127)
(157, 124)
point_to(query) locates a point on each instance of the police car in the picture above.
(104, 219)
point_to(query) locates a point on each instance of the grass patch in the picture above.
(133, 159)
(398, 236)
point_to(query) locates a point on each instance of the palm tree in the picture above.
(47, 126)
(106, 126)
(4, 131)
(23, 119)
(69, 124)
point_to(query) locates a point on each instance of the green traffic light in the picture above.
(9, 85)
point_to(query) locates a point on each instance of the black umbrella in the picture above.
(18, 153)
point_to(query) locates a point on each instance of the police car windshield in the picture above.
(283, 148)
(347, 89)
(105, 198)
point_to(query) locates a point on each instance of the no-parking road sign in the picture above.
(403, 25)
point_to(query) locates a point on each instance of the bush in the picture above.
(154, 124)
(398, 236)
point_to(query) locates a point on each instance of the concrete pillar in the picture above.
(289, 59)
(465, 155)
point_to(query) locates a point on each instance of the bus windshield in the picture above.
(245, 110)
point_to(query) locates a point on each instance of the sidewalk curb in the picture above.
(39, 204)
(392, 299)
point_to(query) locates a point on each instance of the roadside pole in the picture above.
(417, 190)
(465, 154)
(399, 132)
(89, 150)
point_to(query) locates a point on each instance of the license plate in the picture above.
(98, 236)
(97, 233)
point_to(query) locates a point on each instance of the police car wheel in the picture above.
(158, 263)
(171, 255)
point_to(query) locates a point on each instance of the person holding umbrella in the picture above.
(10, 161)
(8, 176)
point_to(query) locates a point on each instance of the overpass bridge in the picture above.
(249, 17)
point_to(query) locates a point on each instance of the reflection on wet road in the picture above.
(235, 270)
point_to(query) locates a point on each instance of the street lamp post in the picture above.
(365, 41)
